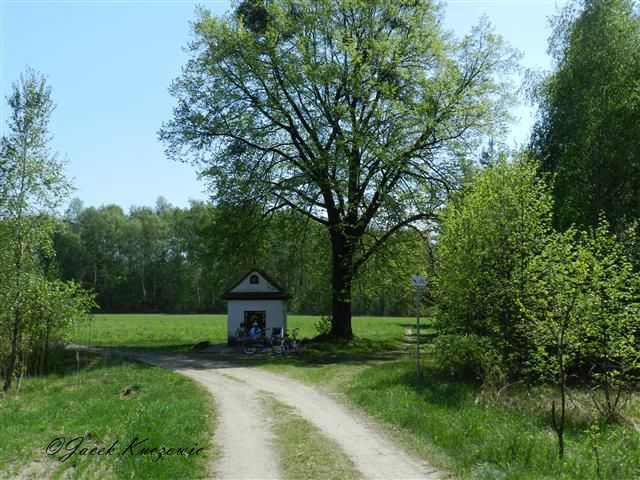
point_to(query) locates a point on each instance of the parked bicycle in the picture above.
(274, 341)
(241, 333)
(291, 344)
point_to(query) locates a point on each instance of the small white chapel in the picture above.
(256, 298)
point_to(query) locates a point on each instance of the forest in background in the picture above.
(171, 259)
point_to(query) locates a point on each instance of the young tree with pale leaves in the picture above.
(32, 185)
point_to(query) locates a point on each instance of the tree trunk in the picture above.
(17, 321)
(8, 374)
(559, 425)
(45, 358)
(144, 289)
(155, 291)
(341, 279)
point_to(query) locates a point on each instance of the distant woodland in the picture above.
(171, 259)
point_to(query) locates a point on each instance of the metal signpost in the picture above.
(418, 282)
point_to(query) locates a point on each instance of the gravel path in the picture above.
(243, 432)
(244, 426)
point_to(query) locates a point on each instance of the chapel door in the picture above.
(257, 316)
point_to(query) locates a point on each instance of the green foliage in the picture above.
(381, 287)
(588, 128)
(553, 305)
(169, 259)
(523, 301)
(468, 357)
(489, 233)
(284, 243)
(611, 330)
(57, 308)
(36, 310)
(557, 282)
(323, 325)
(530, 301)
(582, 313)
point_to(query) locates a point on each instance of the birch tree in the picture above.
(32, 184)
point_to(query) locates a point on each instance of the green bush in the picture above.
(468, 356)
(323, 325)
(490, 231)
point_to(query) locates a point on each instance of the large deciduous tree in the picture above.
(588, 130)
(354, 113)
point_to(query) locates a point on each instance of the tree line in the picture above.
(170, 259)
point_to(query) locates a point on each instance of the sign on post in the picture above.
(418, 282)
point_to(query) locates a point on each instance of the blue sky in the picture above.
(109, 64)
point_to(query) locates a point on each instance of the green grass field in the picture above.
(183, 331)
(151, 330)
(170, 410)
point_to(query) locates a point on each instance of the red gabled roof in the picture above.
(279, 294)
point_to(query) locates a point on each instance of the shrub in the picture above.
(468, 356)
(489, 233)
(323, 326)
(583, 315)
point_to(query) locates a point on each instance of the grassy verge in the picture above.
(304, 452)
(169, 410)
(472, 433)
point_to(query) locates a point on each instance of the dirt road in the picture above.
(244, 427)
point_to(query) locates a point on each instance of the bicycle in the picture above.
(291, 344)
(250, 345)
(241, 333)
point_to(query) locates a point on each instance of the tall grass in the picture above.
(451, 423)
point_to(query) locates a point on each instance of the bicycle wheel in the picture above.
(297, 347)
(276, 345)
(285, 347)
(249, 346)
(240, 334)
